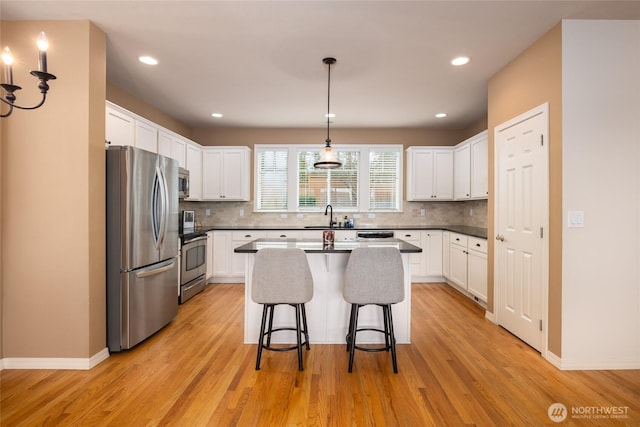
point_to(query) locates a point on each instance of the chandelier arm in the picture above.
(8, 113)
(44, 98)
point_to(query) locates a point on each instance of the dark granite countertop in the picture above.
(316, 245)
(462, 229)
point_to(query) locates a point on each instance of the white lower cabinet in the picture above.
(477, 268)
(426, 266)
(467, 265)
(210, 253)
(228, 266)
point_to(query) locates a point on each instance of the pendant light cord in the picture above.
(328, 61)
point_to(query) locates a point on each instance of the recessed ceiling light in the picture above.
(460, 60)
(441, 115)
(148, 60)
(216, 115)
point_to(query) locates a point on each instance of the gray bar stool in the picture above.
(281, 276)
(374, 275)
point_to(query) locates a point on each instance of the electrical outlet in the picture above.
(371, 216)
(207, 212)
(241, 212)
(470, 211)
(422, 212)
(300, 216)
(283, 216)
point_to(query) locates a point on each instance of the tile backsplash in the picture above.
(471, 213)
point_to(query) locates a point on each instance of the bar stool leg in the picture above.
(304, 325)
(392, 339)
(271, 308)
(261, 336)
(298, 337)
(352, 334)
(387, 342)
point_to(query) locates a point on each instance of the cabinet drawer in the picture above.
(476, 244)
(248, 235)
(458, 239)
(284, 234)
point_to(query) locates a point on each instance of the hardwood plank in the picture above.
(460, 369)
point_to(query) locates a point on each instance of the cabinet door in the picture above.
(420, 175)
(480, 167)
(209, 254)
(477, 279)
(445, 254)
(221, 253)
(235, 177)
(164, 144)
(179, 151)
(146, 137)
(458, 265)
(119, 127)
(194, 165)
(443, 175)
(213, 163)
(433, 248)
(461, 172)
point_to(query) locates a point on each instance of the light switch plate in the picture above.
(575, 219)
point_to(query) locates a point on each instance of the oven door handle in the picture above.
(143, 274)
(195, 239)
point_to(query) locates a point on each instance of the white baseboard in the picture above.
(70, 363)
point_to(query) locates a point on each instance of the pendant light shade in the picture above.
(328, 155)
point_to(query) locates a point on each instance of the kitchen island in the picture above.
(327, 312)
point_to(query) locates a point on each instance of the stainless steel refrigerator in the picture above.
(142, 245)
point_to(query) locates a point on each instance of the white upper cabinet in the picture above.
(194, 165)
(480, 166)
(225, 173)
(471, 168)
(119, 127)
(173, 146)
(146, 136)
(462, 172)
(429, 173)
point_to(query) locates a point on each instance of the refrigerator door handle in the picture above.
(148, 273)
(164, 206)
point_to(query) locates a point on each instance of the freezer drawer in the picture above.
(144, 303)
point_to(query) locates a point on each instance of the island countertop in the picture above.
(317, 246)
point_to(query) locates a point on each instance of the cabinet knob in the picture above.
(500, 238)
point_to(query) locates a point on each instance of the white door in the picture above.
(521, 225)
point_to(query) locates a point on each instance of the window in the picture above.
(370, 179)
(271, 179)
(319, 187)
(384, 179)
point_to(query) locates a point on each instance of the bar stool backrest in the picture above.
(281, 276)
(374, 275)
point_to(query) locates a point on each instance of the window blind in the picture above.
(384, 179)
(271, 179)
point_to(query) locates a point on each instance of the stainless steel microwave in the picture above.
(183, 183)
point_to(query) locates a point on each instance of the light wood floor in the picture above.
(460, 370)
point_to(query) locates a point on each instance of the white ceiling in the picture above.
(260, 62)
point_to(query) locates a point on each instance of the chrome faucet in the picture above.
(331, 221)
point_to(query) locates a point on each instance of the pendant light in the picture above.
(328, 155)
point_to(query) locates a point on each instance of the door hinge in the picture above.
(541, 232)
(541, 140)
(540, 324)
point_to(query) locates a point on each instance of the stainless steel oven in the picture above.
(193, 265)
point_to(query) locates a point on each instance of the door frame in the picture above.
(544, 288)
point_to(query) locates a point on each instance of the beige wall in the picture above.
(531, 79)
(53, 225)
